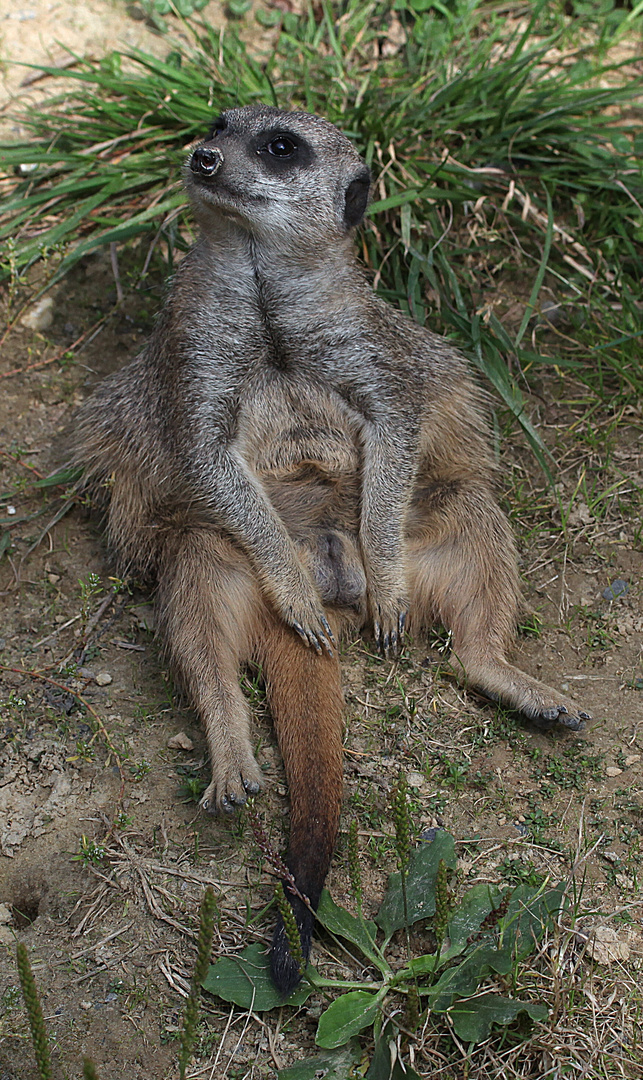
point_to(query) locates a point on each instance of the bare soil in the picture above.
(102, 869)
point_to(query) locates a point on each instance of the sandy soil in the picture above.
(102, 883)
(51, 32)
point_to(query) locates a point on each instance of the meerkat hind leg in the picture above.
(207, 601)
(463, 573)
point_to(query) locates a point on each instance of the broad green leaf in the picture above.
(420, 885)
(245, 980)
(470, 913)
(465, 978)
(346, 1016)
(419, 965)
(529, 913)
(340, 922)
(332, 1065)
(473, 1019)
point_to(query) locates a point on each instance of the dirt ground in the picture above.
(102, 879)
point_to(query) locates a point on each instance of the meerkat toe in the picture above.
(559, 714)
(574, 723)
(548, 715)
(230, 788)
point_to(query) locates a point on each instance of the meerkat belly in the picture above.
(305, 453)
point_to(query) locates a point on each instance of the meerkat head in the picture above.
(289, 177)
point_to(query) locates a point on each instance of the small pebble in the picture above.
(631, 759)
(85, 1005)
(616, 589)
(415, 779)
(53, 579)
(613, 771)
(11, 510)
(181, 741)
(40, 316)
(5, 915)
(103, 678)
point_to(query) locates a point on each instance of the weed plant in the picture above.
(501, 176)
(480, 940)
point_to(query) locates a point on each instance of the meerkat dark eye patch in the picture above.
(217, 126)
(283, 150)
(356, 199)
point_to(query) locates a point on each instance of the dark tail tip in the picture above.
(284, 969)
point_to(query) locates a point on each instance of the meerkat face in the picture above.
(287, 176)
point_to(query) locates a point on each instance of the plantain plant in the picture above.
(482, 937)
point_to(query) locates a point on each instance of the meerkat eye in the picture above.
(281, 147)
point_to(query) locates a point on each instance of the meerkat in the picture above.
(290, 457)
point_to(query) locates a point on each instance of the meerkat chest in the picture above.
(284, 431)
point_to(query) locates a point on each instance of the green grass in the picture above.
(499, 170)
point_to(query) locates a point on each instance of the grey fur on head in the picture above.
(273, 194)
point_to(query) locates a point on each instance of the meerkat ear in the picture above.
(356, 198)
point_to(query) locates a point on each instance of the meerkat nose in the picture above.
(206, 160)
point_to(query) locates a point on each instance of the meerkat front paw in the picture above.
(233, 780)
(312, 626)
(389, 622)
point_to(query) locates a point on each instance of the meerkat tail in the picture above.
(307, 705)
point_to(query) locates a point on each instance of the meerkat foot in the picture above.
(562, 711)
(509, 686)
(235, 776)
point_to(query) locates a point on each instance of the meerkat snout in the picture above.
(206, 161)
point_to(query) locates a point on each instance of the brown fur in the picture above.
(291, 457)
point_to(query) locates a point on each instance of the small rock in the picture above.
(103, 678)
(415, 779)
(605, 946)
(616, 589)
(5, 915)
(611, 856)
(86, 1005)
(611, 770)
(53, 579)
(180, 742)
(40, 316)
(11, 510)
(631, 759)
